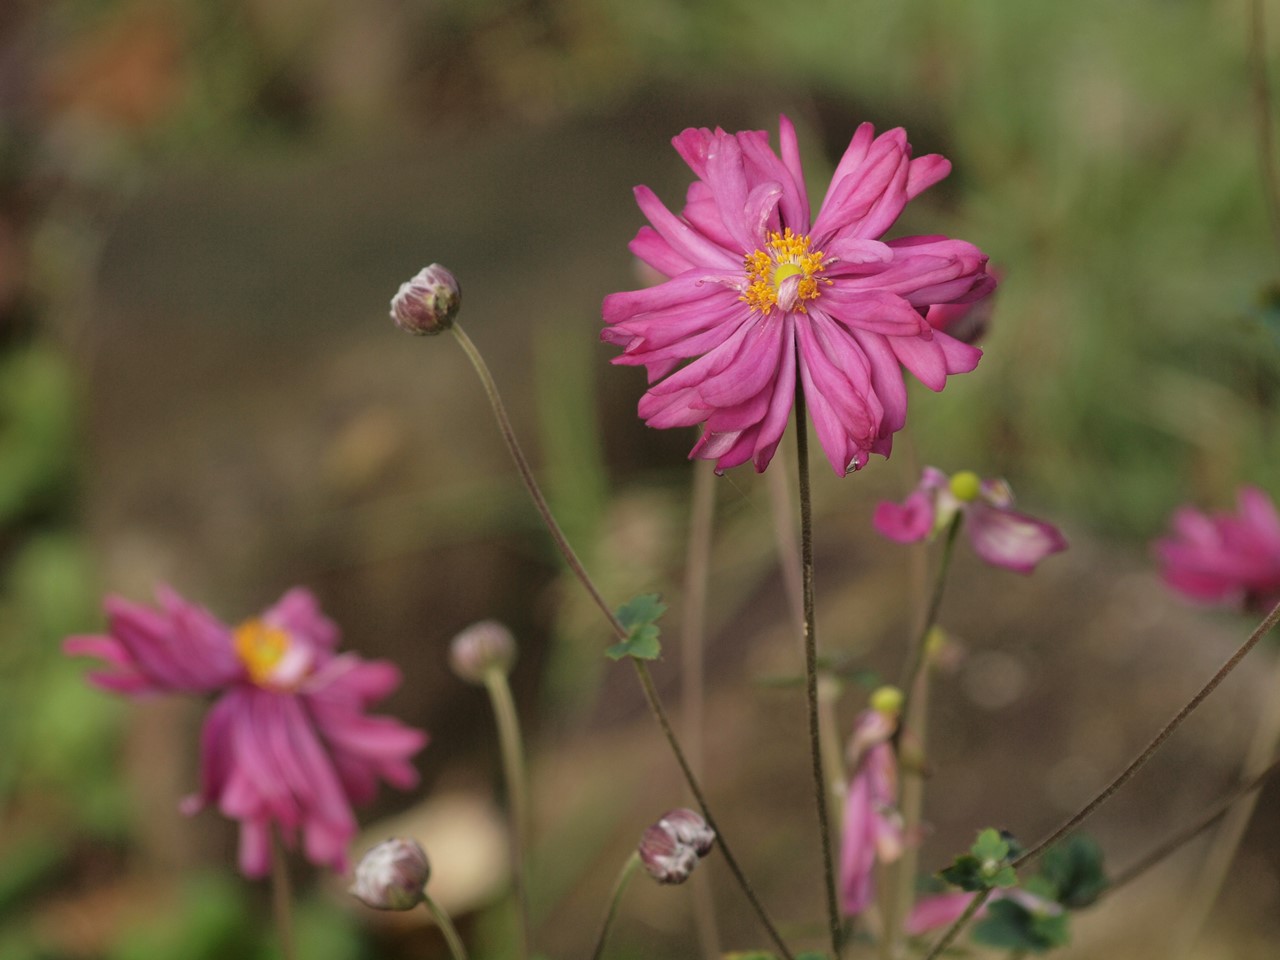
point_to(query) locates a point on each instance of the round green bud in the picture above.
(966, 486)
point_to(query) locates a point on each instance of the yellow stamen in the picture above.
(260, 648)
(785, 255)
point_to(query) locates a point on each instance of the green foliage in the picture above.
(640, 619)
(1009, 925)
(986, 865)
(1073, 871)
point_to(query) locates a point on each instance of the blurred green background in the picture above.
(204, 208)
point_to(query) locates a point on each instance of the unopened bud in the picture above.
(887, 700)
(671, 848)
(482, 647)
(428, 303)
(688, 827)
(966, 486)
(666, 858)
(392, 876)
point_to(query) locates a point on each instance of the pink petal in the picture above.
(1006, 538)
(908, 522)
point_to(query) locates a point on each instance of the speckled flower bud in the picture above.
(392, 876)
(428, 303)
(671, 848)
(482, 647)
(666, 858)
(689, 828)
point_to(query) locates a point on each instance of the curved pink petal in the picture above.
(1006, 538)
(908, 522)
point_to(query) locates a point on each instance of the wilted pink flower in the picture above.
(872, 829)
(1000, 535)
(757, 291)
(1231, 558)
(287, 742)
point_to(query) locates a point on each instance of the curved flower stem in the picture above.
(1257, 44)
(915, 661)
(811, 665)
(1226, 841)
(961, 922)
(456, 949)
(641, 669)
(509, 742)
(693, 629)
(1193, 830)
(624, 877)
(1088, 809)
(282, 898)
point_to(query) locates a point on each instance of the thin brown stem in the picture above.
(1191, 831)
(642, 670)
(811, 666)
(960, 923)
(693, 629)
(282, 898)
(916, 659)
(1268, 622)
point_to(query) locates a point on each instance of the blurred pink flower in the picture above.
(872, 828)
(1225, 558)
(287, 741)
(999, 534)
(943, 909)
(756, 292)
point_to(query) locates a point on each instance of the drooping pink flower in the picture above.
(758, 294)
(999, 534)
(287, 742)
(1223, 557)
(872, 828)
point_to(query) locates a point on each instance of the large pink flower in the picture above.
(287, 742)
(756, 292)
(1223, 557)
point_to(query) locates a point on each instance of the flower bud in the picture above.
(966, 486)
(392, 876)
(428, 303)
(688, 827)
(672, 847)
(482, 647)
(887, 700)
(666, 858)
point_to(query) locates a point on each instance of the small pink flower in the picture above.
(872, 829)
(287, 742)
(1225, 558)
(759, 294)
(999, 534)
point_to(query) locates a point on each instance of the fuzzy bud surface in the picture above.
(392, 875)
(428, 303)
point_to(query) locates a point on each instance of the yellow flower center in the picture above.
(260, 648)
(786, 255)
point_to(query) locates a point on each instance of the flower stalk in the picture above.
(513, 769)
(624, 877)
(1265, 627)
(642, 671)
(450, 932)
(282, 898)
(811, 666)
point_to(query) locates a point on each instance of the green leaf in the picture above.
(990, 846)
(1074, 868)
(986, 865)
(639, 617)
(1011, 926)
